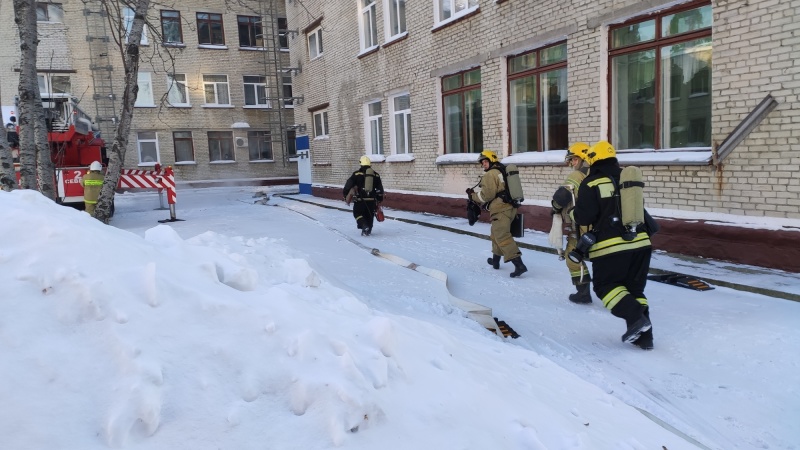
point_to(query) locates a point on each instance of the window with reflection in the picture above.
(538, 100)
(463, 123)
(661, 80)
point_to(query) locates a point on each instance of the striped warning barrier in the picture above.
(156, 179)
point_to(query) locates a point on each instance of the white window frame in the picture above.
(260, 102)
(373, 122)
(315, 49)
(52, 11)
(438, 10)
(48, 85)
(287, 75)
(174, 146)
(393, 10)
(145, 82)
(140, 141)
(216, 89)
(393, 132)
(320, 132)
(127, 20)
(368, 24)
(173, 83)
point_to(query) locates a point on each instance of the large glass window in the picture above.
(321, 123)
(287, 89)
(49, 12)
(368, 24)
(283, 33)
(661, 80)
(255, 91)
(145, 95)
(147, 144)
(538, 103)
(171, 29)
(260, 145)
(220, 146)
(184, 146)
(373, 124)
(127, 19)
(400, 126)
(250, 32)
(395, 17)
(209, 29)
(51, 85)
(463, 125)
(216, 90)
(446, 9)
(177, 90)
(315, 43)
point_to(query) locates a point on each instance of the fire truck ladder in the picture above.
(97, 39)
(278, 116)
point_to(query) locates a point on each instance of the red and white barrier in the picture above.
(157, 179)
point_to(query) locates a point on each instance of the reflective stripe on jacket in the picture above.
(598, 206)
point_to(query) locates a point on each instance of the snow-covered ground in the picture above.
(256, 324)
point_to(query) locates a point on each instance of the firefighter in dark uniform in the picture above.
(365, 189)
(489, 194)
(619, 266)
(92, 182)
(12, 136)
(563, 200)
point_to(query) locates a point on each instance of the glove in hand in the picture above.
(470, 191)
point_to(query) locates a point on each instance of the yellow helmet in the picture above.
(578, 149)
(365, 161)
(489, 156)
(599, 151)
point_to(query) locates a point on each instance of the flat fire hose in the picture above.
(479, 313)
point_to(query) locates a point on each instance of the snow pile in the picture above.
(113, 341)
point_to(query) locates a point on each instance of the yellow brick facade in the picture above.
(752, 47)
(65, 48)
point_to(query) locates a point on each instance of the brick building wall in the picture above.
(752, 47)
(64, 50)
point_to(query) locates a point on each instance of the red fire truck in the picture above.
(74, 145)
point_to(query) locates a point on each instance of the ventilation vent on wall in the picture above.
(241, 142)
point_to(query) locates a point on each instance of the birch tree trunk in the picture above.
(24, 14)
(130, 62)
(34, 149)
(8, 179)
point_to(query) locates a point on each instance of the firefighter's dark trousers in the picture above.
(619, 280)
(364, 212)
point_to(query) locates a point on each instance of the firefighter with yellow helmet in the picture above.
(365, 189)
(490, 195)
(563, 200)
(92, 183)
(620, 258)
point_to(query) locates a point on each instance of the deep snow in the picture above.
(269, 324)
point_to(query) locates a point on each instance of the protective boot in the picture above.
(583, 296)
(645, 340)
(494, 261)
(636, 329)
(519, 267)
(633, 312)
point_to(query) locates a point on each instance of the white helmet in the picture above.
(96, 166)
